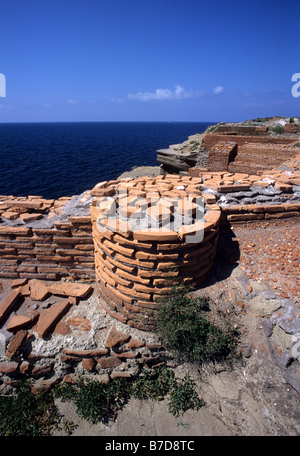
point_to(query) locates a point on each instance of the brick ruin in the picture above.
(145, 233)
(133, 258)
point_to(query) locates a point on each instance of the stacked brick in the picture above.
(212, 139)
(66, 250)
(249, 212)
(30, 209)
(253, 158)
(242, 130)
(136, 268)
(220, 155)
(277, 180)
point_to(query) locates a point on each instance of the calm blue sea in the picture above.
(65, 159)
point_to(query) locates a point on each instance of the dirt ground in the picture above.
(254, 284)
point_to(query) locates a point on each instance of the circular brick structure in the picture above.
(150, 233)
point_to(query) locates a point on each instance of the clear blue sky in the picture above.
(148, 60)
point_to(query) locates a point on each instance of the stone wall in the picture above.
(243, 197)
(211, 139)
(220, 155)
(45, 240)
(247, 154)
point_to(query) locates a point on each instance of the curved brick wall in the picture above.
(137, 264)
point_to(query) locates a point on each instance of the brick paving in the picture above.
(270, 252)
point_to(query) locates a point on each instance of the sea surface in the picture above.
(64, 159)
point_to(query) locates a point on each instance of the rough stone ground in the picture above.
(254, 284)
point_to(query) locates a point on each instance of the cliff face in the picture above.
(182, 157)
(196, 150)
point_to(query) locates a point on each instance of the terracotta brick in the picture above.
(158, 273)
(81, 219)
(116, 278)
(18, 231)
(86, 353)
(279, 215)
(118, 248)
(149, 289)
(9, 215)
(125, 355)
(30, 217)
(15, 343)
(127, 242)
(54, 270)
(134, 293)
(159, 235)
(233, 188)
(287, 188)
(116, 338)
(167, 265)
(150, 256)
(135, 262)
(9, 367)
(18, 283)
(72, 240)
(135, 343)
(131, 277)
(78, 290)
(121, 292)
(119, 264)
(49, 317)
(8, 303)
(236, 217)
(17, 322)
(25, 204)
(88, 364)
(112, 313)
(38, 290)
(196, 230)
(198, 251)
(107, 278)
(38, 276)
(213, 217)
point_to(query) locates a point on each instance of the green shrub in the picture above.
(26, 413)
(96, 401)
(153, 383)
(184, 397)
(278, 129)
(292, 119)
(185, 328)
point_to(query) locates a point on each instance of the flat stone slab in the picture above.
(116, 338)
(49, 317)
(76, 290)
(8, 303)
(17, 322)
(38, 290)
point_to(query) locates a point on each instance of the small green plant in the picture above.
(185, 328)
(69, 427)
(184, 397)
(278, 129)
(292, 119)
(96, 401)
(153, 383)
(26, 413)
